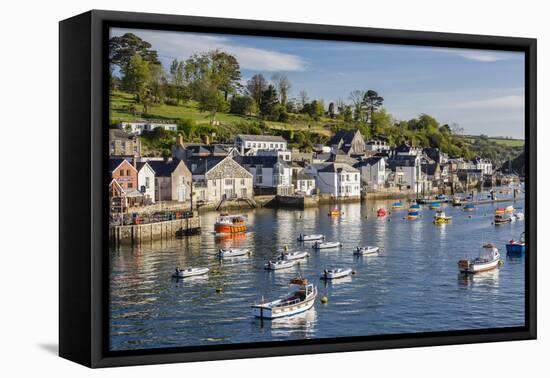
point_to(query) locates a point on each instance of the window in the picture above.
(242, 182)
(243, 193)
(259, 169)
(271, 145)
(128, 172)
(259, 179)
(183, 180)
(147, 183)
(228, 182)
(121, 173)
(130, 185)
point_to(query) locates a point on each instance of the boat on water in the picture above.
(469, 207)
(412, 214)
(335, 212)
(327, 245)
(381, 212)
(488, 259)
(230, 224)
(367, 250)
(509, 210)
(441, 218)
(279, 264)
(310, 237)
(519, 216)
(189, 272)
(301, 300)
(435, 206)
(457, 201)
(397, 205)
(233, 252)
(516, 246)
(441, 197)
(331, 274)
(415, 206)
(499, 211)
(504, 219)
(297, 255)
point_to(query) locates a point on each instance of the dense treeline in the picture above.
(212, 80)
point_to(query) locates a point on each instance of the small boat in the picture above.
(335, 212)
(233, 252)
(441, 218)
(415, 207)
(499, 211)
(519, 216)
(366, 250)
(435, 206)
(469, 207)
(302, 300)
(412, 215)
(230, 224)
(516, 246)
(327, 245)
(503, 219)
(381, 212)
(310, 237)
(189, 272)
(441, 197)
(457, 201)
(332, 274)
(287, 256)
(509, 210)
(279, 264)
(489, 258)
(397, 205)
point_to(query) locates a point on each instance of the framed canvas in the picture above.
(235, 188)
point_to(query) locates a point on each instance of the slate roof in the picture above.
(343, 135)
(202, 164)
(338, 167)
(368, 162)
(304, 176)
(402, 161)
(119, 134)
(265, 161)
(261, 138)
(141, 164)
(114, 163)
(164, 168)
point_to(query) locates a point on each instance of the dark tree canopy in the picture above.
(122, 48)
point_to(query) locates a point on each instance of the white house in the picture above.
(139, 127)
(268, 172)
(483, 165)
(305, 183)
(408, 171)
(339, 180)
(260, 142)
(377, 146)
(285, 155)
(172, 180)
(373, 172)
(146, 181)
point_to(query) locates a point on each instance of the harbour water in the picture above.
(412, 286)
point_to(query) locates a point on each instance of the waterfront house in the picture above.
(483, 165)
(217, 178)
(146, 181)
(408, 172)
(339, 180)
(348, 142)
(172, 180)
(436, 155)
(304, 183)
(123, 144)
(377, 146)
(405, 149)
(271, 174)
(373, 172)
(184, 151)
(124, 172)
(244, 143)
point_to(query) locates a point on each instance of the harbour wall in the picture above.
(139, 233)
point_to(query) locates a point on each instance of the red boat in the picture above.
(381, 212)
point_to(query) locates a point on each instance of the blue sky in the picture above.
(481, 90)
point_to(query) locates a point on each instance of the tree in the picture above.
(123, 48)
(282, 85)
(244, 105)
(371, 102)
(255, 87)
(157, 82)
(177, 79)
(136, 74)
(269, 103)
(304, 99)
(209, 97)
(356, 97)
(331, 113)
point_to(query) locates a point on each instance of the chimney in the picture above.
(179, 139)
(135, 161)
(206, 140)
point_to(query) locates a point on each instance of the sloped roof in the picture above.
(338, 167)
(119, 134)
(114, 163)
(266, 161)
(402, 161)
(164, 168)
(368, 161)
(343, 135)
(203, 164)
(261, 138)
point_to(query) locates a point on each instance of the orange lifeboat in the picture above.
(230, 224)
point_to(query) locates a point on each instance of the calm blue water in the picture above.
(412, 286)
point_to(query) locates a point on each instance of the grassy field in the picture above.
(501, 141)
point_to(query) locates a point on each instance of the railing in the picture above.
(135, 219)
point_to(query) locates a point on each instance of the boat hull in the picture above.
(515, 248)
(265, 312)
(229, 229)
(480, 267)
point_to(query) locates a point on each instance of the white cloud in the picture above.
(180, 45)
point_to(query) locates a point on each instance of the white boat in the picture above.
(366, 250)
(332, 274)
(310, 237)
(489, 258)
(287, 256)
(519, 216)
(327, 245)
(302, 300)
(233, 252)
(189, 272)
(279, 264)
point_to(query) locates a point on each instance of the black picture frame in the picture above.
(83, 214)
